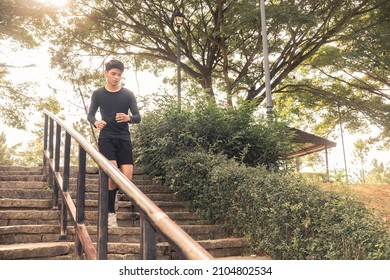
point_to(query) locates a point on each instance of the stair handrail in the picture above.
(153, 219)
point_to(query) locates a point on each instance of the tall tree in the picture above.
(379, 174)
(347, 79)
(360, 152)
(309, 42)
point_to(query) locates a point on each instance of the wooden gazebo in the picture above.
(308, 143)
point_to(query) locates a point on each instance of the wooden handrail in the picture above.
(154, 219)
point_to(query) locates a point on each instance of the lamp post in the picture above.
(178, 19)
(266, 59)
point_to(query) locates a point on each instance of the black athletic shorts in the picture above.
(116, 149)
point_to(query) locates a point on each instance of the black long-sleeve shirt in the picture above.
(110, 103)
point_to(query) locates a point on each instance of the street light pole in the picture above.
(266, 59)
(178, 68)
(178, 19)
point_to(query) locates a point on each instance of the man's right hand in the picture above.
(100, 124)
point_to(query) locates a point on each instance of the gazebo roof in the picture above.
(308, 143)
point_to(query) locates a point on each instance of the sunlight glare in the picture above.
(57, 3)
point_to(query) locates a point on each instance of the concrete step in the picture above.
(116, 251)
(153, 196)
(9, 192)
(29, 217)
(31, 189)
(94, 170)
(94, 181)
(32, 204)
(46, 251)
(21, 173)
(25, 193)
(51, 233)
(35, 169)
(127, 206)
(93, 186)
(30, 228)
(90, 186)
(34, 185)
(25, 178)
(145, 188)
(52, 217)
(23, 185)
(217, 248)
(126, 219)
(29, 234)
(91, 171)
(132, 234)
(90, 205)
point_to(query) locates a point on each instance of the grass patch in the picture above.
(374, 196)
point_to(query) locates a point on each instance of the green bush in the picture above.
(235, 133)
(279, 214)
(160, 136)
(221, 161)
(188, 174)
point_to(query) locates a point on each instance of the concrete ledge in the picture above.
(33, 250)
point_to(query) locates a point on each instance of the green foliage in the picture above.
(379, 173)
(281, 214)
(235, 133)
(22, 21)
(22, 24)
(15, 104)
(360, 153)
(278, 213)
(32, 156)
(351, 72)
(322, 53)
(188, 174)
(5, 153)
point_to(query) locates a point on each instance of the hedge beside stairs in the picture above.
(204, 153)
(279, 214)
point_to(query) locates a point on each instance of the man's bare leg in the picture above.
(111, 184)
(127, 170)
(112, 191)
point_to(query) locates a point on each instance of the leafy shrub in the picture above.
(160, 136)
(235, 133)
(220, 161)
(189, 175)
(279, 214)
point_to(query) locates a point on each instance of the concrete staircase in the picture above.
(29, 227)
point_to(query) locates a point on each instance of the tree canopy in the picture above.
(328, 59)
(22, 26)
(324, 55)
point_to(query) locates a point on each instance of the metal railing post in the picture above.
(45, 136)
(56, 165)
(51, 156)
(103, 216)
(148, 240)
(80, 200)
(57, 149)
(51, 139)
(65, 187)
(45, 132)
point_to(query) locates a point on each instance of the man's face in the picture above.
(113, 76)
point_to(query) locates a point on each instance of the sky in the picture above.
(141, 84)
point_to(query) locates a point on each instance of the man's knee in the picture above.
(127, 170)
